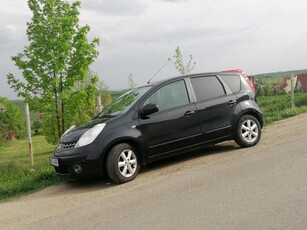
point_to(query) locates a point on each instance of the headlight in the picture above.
(68, 130)
(90, 135)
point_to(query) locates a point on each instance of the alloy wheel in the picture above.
(249, 130)
(127, 163)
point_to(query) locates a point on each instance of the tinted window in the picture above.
(207, 88)
(170, 96)
(233, 81)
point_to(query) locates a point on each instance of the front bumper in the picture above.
(76, 166)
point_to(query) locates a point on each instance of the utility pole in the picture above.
(28, 125)
(292, 93)
(98, 100)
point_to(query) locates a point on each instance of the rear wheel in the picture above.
(248, 131)
(122, 163)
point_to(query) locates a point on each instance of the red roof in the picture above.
(281, 86)
(303, 80)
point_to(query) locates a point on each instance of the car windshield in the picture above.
(122, 104)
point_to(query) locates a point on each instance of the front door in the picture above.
(175, 126)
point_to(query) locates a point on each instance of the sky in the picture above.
(138, 37)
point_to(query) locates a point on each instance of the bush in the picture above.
(11, 122)
(37, 128)
(269, 91)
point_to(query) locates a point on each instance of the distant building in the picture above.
(302, 82)
(281, 86)
(2, 107)
(286, 85)
(288, 81)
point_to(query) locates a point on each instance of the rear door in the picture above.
(175, 126)
(216, 105)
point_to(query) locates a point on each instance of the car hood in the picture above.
(75, 134)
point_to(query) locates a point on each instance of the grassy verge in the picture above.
(278, 107)
(16, 175)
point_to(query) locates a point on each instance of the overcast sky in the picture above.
(138, 37)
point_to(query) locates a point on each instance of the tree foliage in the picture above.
(11, 121)
(58, 56)
(180, 66)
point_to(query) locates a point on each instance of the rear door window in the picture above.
(207, 88)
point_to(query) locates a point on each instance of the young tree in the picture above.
(131, 82)
(183, 69)
(58, 55)
(11, 121)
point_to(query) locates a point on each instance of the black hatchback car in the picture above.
(160, 120)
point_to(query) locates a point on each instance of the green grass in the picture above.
(278, 107)
(17, 177)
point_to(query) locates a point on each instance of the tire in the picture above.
(122, 163)
(248, 131)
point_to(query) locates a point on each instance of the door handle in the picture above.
(231, 102)
(189, 113)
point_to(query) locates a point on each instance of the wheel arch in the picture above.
(253, 113)
(128, 140)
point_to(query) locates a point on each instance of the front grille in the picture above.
(68, 145)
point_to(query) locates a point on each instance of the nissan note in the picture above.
(160, 120)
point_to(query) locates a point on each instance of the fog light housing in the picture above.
(77, 169)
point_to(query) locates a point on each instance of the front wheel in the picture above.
(248, 131)
(122, 163)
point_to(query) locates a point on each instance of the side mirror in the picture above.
(148, 109)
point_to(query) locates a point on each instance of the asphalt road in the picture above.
(221, 187)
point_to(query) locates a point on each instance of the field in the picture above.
(278, 107)
(16, 174)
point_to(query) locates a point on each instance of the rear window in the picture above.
(207, 88)
(233, 82)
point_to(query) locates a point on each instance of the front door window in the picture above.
(169, 96)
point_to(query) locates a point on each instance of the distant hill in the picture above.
(276, 77)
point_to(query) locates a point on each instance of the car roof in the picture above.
(190, 75)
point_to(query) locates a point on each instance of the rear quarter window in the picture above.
(233, 82)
